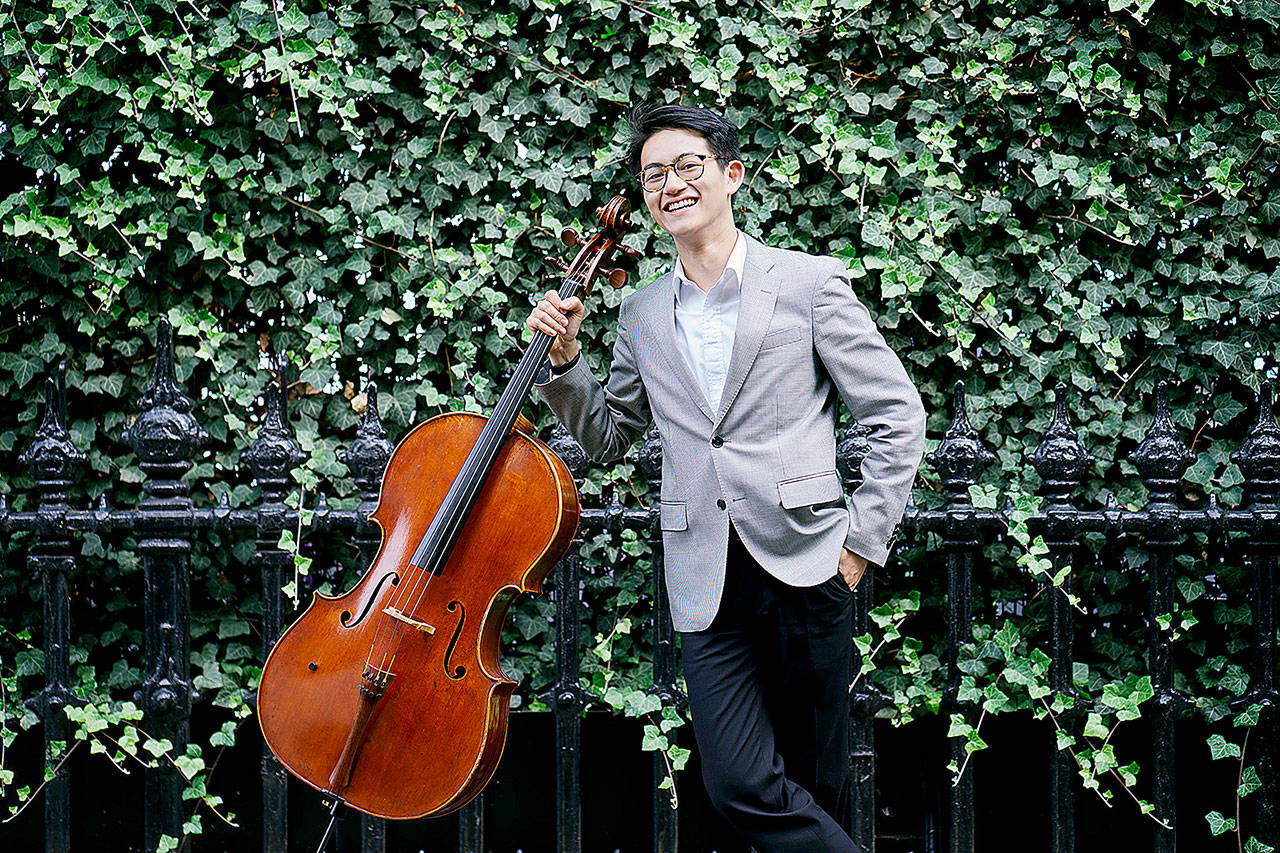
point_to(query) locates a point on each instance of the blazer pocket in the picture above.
(779, 337)
(809, 490)
(672, 515)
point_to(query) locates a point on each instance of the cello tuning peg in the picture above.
(628, 251)
(617, 278)
(556, 262)
(571, 237)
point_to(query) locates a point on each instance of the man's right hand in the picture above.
(560, 318)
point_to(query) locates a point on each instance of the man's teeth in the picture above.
(682, 204)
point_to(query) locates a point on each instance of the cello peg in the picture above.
(618, 278)
(556, 263)
(571, 237)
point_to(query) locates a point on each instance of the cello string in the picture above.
(506, 409)
(378, 640)
(415, 583)
(417, 578)
(416, 590)
(579, 277)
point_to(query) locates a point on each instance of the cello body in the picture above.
(429, 743)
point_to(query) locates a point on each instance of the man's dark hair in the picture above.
(647, 119)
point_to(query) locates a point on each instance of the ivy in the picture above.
(1023, 194)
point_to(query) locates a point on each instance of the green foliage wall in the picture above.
(1024, 193)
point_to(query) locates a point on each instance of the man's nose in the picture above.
(675, 188)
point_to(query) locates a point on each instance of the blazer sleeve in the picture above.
(877, 391)
(606, 421)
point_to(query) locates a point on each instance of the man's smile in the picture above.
(680, 204)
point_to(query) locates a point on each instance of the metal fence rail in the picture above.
(166, 438)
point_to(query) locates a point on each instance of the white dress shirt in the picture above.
(706, 322)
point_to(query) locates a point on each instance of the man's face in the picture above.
(690, 208)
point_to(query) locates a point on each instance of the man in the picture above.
(737, 355)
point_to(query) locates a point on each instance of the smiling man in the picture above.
(739, 355)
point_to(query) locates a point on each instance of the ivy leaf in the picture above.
(1249, 782)
(23, 369)
(1094, 727)
(365, 199)
(275, 126)
(1248, 717)
(575, 112)
(293, 21)
(653, 739)
(157, 746)
(1219, 824)
(1008, 639)
(1220, 747)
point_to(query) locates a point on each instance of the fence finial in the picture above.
(165, 436)
(53, 457)
(961, 457)
(368, 454)
(274, 451)
(1061, 459)
(1259, 454)
(852, 449)
(1162, 457)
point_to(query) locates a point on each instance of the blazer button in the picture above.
(717, 442)
(720, 503)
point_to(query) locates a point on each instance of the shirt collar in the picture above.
(737, 261)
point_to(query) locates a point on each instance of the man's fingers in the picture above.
(539, 321)
(545, 317)
(555, 316)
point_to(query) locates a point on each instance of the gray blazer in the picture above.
(767, 459)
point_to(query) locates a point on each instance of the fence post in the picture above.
(959, 460)
(53, 459)
(666, 828)
(1259, 461)
(165, 437)
(1161, 459)
(272, 455)
(1062, 462)
(865, 699)
(566, 698)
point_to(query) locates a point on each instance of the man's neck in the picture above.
(704, 259)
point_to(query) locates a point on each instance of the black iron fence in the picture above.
(166, 438)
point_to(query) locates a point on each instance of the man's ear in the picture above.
(736, 172)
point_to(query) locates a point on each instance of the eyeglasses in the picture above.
(689, 167)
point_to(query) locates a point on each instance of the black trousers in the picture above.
(768, 688)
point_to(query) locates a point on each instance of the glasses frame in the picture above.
(668, 168)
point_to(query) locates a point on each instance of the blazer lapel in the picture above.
(661, 312)
(759, 295)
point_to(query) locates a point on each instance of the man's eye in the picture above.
(685, 167)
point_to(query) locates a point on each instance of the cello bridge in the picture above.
(409, 620)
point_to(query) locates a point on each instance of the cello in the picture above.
(390, 698)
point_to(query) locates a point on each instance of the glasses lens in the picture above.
(653, 177)
(689, 167)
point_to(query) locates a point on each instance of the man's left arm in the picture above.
(877, 391)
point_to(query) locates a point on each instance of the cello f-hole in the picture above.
(347, 622)
(460, 671)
